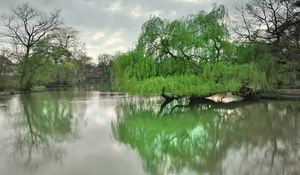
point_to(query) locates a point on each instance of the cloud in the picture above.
(99, 34)
(193, 1)
(110, 25)
(115, 6)
(139, 12)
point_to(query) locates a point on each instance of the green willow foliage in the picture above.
(215, 78)
(200, 37)
(133, 65)
(190, 56)
(276, 74)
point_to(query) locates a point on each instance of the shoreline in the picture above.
(274, 94)
(39, 89)
(281, 94)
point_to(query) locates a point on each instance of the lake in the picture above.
(79, 132)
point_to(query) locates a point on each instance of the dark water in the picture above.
(89, 132)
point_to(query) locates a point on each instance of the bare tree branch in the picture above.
(26, 26)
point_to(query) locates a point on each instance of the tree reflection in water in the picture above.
(259, 137)
(45, 121)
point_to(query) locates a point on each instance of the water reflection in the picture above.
(77, 132)
(42, 122)
(210, 138)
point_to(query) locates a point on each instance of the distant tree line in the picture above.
(42, 52)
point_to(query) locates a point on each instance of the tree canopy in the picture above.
(44, 51)
(193, 55)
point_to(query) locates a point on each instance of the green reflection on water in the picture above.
(44, 121)
(201, 137)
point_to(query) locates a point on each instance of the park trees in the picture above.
(25, 27)
(64, 50)
(57, 62)
(276, 24)
(104, 65)
(189, 41)
(44, 51)
(6, 68)
(190, 56)
(271, 21)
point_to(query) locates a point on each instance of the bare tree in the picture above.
(267, 20)
(67, 37)
(104, 66)
(105, 59)
(26, 25)
(275, 22)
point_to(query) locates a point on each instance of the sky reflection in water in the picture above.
(78, 132)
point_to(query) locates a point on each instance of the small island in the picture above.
(198, 56)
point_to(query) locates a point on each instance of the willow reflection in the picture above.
(203, 138)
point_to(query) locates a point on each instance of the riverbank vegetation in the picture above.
(198, 55)
(41, 52)
(253, 50)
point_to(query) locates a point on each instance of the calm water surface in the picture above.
(90, 132)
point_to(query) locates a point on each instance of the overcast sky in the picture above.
(107, 26)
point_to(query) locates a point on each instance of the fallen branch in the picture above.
(170, 97)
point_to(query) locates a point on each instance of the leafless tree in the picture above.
(26, 25)
(104, 66)
(267, 20)
(105, 59)
(275, 22)
(67, 37)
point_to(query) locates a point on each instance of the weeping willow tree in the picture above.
(133, 65)
(190, 56)
(198, 38)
